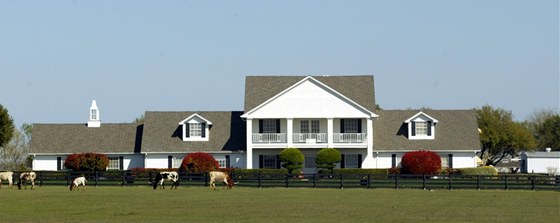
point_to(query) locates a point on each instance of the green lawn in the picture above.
(199, 204)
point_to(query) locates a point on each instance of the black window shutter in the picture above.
(342, 164)
(429, 128)
(413, 128)
(58, 163)
(169, 162)
(341, 125)
(278, 164)
(121, 163)
(187, 130)
(359, 160)
(450, 160)
(393, 160)
(261, 126)
(227, 161)
(261, 161)
(277, 125)
(203, 130)
(359, 125)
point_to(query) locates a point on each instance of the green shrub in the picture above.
(292, 159)
(327, 159)
(361, 171)
(485, 170)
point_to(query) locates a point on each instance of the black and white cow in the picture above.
(27, 176)
(161, 177)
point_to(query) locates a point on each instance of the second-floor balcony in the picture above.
(308, 138)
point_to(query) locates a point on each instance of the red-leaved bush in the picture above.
(199, 162)
(421, 162)
(87, 162)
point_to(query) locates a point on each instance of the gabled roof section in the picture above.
(78, 138)
(162, 134)
(358, 90)
(421, 113)
(457, 130)
(195, 116)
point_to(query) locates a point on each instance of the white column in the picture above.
(369, 161)
(289, 132)
(249, 154)
(330, 133)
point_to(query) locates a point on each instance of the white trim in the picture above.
(310, 78)
(193, 116)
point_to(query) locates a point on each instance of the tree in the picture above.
(87, 162)
(6, 126)
(501, 136)
(199, 162)
(292, 159)
(327, 159)
(421, 162)
(548, 133)
(14, 154)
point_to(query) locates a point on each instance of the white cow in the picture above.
(27, 176)
(77, 182)
(219, 176)
(8, 177)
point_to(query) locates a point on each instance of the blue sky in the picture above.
(136, 56)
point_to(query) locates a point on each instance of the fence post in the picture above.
(533, 183)
(259, 179)
(206, 180)
(341, 181)
(506, 182)
(286, 180)
(68, 178)
(423, 181)
(96, 178)
(450, 182)
(396, 181)
(41, 178)
(478, 182)
(314, 180)
(369, 181)
(123, 178)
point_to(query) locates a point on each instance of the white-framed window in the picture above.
(269, 125)
(62, 167)
(310, 126)
(351, 161)
(93, 114)
(310, 162)
(222, 162)
(195, 129)
(351, 125)
(114, 163)
(269, 161)
(177, 162)
(421, 128)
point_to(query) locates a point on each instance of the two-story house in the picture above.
(304, 112)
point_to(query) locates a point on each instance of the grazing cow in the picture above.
(166, 176)
(77, 182)
(7, 176)
(27, 176)
(218, 176)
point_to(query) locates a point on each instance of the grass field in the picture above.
(199, 204)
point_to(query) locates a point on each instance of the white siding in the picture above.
(540, 165)
(45, 162)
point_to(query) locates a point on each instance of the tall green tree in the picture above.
(13, 155)
(548, 133)
(501, 136)
(6, 126)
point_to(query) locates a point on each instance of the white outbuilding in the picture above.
(547, 162)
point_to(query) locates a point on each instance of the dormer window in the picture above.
(195, 128)
(421, 126)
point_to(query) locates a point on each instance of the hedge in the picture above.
(485, 170)
(361, 171)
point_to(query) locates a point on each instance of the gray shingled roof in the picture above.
(455, 130)
(162, 132)
(359, 89)
(78, 138)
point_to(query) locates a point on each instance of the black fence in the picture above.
(263, 180)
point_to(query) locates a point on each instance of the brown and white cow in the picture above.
(219, 176)
(27, 176)
(7, 176)
(166, 176)
(77, 182)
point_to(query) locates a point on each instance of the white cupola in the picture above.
(94, 116)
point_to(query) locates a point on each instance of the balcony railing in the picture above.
(269, 138)
(349, 137)
(310, 138)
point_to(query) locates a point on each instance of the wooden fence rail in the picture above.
(261, 180)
